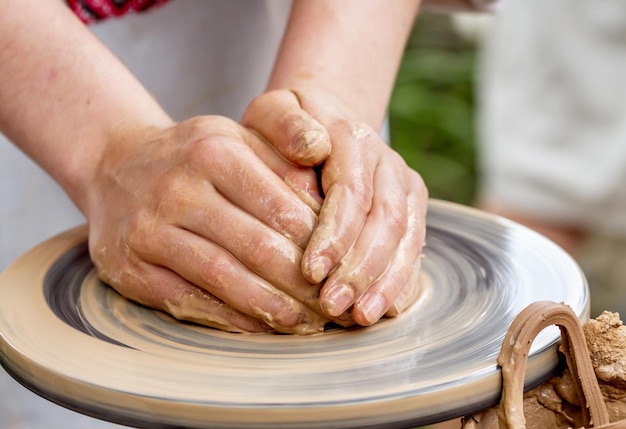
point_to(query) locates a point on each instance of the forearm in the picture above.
(63, 95)
(350, 48)
(327, 95)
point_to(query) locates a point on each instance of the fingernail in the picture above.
(308, 147)
(338, 299)
(310, 137)
(319, 268)
(373, 308)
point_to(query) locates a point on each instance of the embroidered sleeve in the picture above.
(90, 11)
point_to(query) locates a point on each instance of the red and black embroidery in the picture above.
(96, 10)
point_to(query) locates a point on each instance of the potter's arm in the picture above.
(338, 63)
(166, 203)
(63, 95)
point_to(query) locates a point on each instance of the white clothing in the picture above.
(196, 57)
(553, 105)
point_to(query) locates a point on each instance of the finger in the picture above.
(259, 248)
(311, 198)
(368, 259)
(409, 295)
(398, 287)
(347, 179)
(217, 271)
(279, 118)
(239, 175)
(302, 180)
(161, 289)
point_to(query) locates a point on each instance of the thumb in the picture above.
(296, 135)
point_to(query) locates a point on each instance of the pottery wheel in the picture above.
(75, 341)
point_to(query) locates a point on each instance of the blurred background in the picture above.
(528, 107)
(432, 113)
(432, 110)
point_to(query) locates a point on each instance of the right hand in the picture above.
(367, 244)
(198, 220)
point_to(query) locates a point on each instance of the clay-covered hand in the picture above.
(198, 220)
(371, 228)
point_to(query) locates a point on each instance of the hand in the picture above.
(193, 221)
(372, 221)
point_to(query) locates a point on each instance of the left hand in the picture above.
(372, 221)
(196, 219)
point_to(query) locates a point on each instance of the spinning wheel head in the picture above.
(75, 341)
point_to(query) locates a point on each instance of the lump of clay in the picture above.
(606, 338)
(555, 403)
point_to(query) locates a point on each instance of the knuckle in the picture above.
(362, 193)
(203, 136)
(395, 216)
(194, 128)
(203, 150)
(360, 132)
(197, 125)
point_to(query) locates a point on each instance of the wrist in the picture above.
(84, 178)
(351, 49)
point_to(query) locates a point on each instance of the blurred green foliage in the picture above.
(431, 114)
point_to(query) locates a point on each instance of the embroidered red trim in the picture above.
(90, 11)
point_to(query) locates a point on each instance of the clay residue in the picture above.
(555, 404)
(307, 322)
(307, 145)
(543, 409)
(305, 196)
(205, 310)
(607, 333)
(360, 131)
